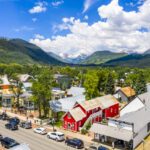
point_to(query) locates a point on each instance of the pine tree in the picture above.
(140, 86)
(109, 86)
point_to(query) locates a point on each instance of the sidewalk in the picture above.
(18, 116)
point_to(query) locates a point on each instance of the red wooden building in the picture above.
(94, 110)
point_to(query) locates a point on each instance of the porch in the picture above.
(117, 137)
(7, 101)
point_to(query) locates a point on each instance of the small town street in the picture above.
(35, 141)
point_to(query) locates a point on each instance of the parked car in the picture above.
(11, 126)
(58, 136)
(74, 143)
(8, 142)
(3, 116)
(26, 125)
(15, 119)
(40, 131)
(93, 147)
(1, 137)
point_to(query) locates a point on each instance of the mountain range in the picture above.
(22, 52)
(100, 57)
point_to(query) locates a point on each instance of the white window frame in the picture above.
(111, 110)
(69, 116)
(73, 125)
(79, 123)
(65, 123)
(93, 111)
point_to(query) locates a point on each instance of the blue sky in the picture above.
(41, 22)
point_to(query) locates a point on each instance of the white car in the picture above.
(40, 131)
(58, 136)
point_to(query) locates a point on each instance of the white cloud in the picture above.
(88, 4)
(34, 19)
(86, 17)
(40, 7)
(57, 3)
(121, 31)
(23, 28)
(70, 20)
(64, 26)
(38, 36)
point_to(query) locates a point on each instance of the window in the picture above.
(111, 110)
(69, 116)
(79, 123)
(93, 111)
(72, 125)
(65, 123)
(148, 127)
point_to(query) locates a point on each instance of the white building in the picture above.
(131, 127)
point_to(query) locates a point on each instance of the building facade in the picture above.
(126, 94)
(93, 110)
(131, 128)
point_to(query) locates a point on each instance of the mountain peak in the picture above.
(147, 51)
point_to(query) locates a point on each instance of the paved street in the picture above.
(35, 141)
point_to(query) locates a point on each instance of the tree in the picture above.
(16, 87)
(91, 85)
(109, 86)
(131, 80)
(41, 91)
(102, 76)
(140, 86)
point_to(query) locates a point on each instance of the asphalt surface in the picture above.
(35, 141)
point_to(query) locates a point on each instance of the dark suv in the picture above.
(15, 119)
(11, 126)
(75, 143)
(1, 137)
(3, 116)
(8, 142)
(26, 125)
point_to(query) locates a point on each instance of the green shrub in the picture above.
(104, 121)
(84, 131)
(88, 126)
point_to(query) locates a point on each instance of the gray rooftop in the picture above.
(26, 94)
(140, 118)
(145, 96)
(20, 147)
(113, 132)
(75, 91)
(66, 104)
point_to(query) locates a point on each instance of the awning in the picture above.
(114, 132)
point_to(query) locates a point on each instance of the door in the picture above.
(69, 126)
